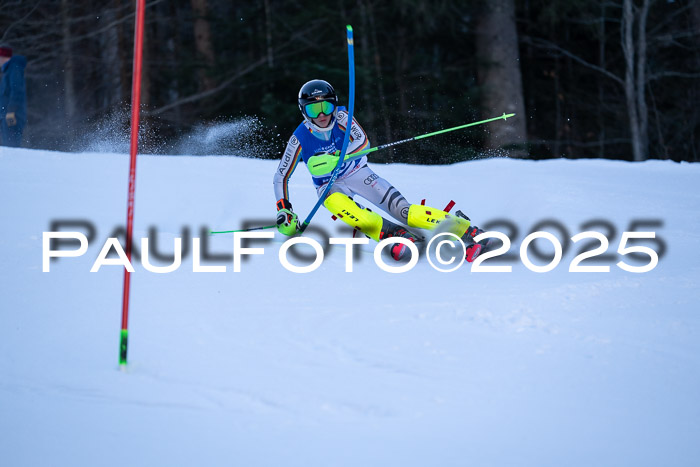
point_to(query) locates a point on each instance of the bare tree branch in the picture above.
(552, 46)
(670, 18)
(202, 95)
(261, 61)
(673, 74)
(19, 21)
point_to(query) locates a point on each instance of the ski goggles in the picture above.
(314, 109)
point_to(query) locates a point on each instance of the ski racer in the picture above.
(321, 133)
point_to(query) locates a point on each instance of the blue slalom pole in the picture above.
(346, 141)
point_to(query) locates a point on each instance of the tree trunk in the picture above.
(268, 34)
(558, 126)
(628, 50)
(641, 78)
(380, 83)
(111, 60)
(124, 54)
(498, 72)
(694, 90)
(203, 43)
(601, 89)
(365, 78)
(69, 96)
(146, 71)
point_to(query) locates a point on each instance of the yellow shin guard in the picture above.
(425, 217)
(364, 220)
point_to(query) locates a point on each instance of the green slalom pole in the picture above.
(324, 163)
(212, 232)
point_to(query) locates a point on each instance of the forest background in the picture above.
(616, 79)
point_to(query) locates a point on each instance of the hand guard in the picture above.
(11, 119)
(322, 163)
(287, 221)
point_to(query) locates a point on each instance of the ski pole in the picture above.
(324, 163)
(212, 232)
(346, 140)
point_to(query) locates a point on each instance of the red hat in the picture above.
(5, 51)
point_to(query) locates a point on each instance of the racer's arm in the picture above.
(287, 222)
(286, 167)
(358, 138)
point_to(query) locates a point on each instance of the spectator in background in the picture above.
(13, 97)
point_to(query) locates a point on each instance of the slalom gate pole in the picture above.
(324, 162)
(346, 141)
(434, 133)
(135, 107)
(212, 232)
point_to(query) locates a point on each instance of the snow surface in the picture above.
(266, 367)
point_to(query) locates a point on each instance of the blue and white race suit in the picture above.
(354, 178)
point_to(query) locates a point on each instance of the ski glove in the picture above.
(287, 220)
(11, 119)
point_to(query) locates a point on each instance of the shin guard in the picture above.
(425, 217)
(357, 217)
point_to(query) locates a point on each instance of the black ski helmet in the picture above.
(317, 90)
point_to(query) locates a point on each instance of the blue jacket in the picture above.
(304, 143)
(13, 91)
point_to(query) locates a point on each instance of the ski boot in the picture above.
(398, 250)
(473, 248)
